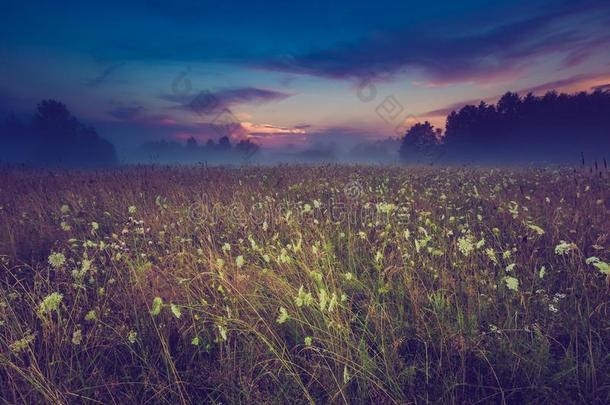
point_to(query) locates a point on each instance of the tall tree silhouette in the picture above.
(191, 143)
(246, 149)
(64, 141)
(420, 144)
(54, 138)
(224, 143)
(531, 128)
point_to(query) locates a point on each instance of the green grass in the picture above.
(326, 284)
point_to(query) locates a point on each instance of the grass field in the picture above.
(297, 284)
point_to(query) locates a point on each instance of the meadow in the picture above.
(305, 284)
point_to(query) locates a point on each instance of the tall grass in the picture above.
(304, 284)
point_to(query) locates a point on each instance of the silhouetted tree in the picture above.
(93, 150)
(554, 126)
(191, 143)
(55, 137)
(224, 143)
(419, 143)
(63, 140)
(246, 148)
(192, 152)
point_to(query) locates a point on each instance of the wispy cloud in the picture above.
(263, 131)
(126, 113)
(497, 52)
(208, 101)
(103, 77)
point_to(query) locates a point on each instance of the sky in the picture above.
(291, 74)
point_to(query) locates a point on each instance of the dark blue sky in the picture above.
(291, 72)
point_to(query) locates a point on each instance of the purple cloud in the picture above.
(249, 95)
(209, 102)
(602, 87)
(103, 77)
(487, 54)
(126, 113)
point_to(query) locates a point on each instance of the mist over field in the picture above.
(556, 128)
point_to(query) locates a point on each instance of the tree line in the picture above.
(554, 127)
(221, 151)
(53, 137)
(551, 127)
